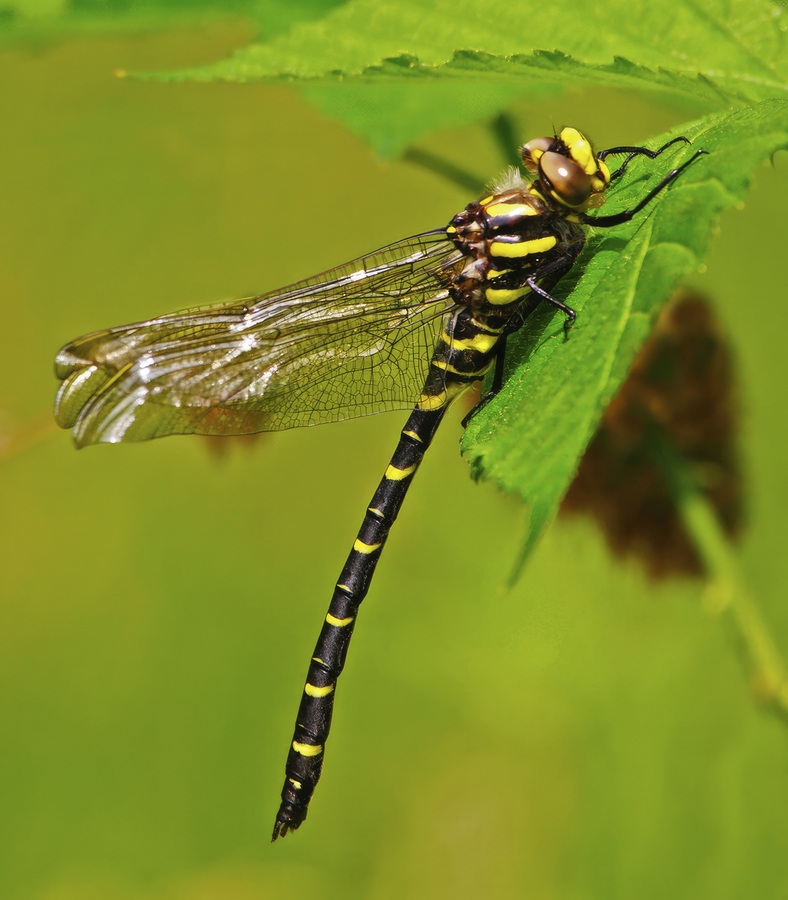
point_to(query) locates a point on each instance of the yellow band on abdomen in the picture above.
(361, 547)
(308, 749)
(312, 691)
(394, 474)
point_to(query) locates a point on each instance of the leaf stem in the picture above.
(726, 589)
(503, 131)
(446, 169)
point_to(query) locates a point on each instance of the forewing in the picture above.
(350, 342)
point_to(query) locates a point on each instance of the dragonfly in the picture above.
(416, 324)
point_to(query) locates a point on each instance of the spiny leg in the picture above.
(627, 214)
(570, 314)
(500, 360)
(555, 272)
(637, 151)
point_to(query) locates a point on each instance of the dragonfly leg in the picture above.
(627, 214)
(637, 151)
(496, 385)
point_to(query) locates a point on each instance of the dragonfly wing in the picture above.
(353, 341)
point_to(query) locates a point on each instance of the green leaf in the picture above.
(530, 438)
(46, 19)
(447, 62)
(738, 44)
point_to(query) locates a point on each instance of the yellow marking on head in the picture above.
(502, 297)
(486, 200)
(511, 209)
(570, 135)
(296, 784)
(601, 180)
(482, 343)
(523, 248)
(340, 623)
(414, 436)
(308, 749)
(361, 547)
(395, 474)
(311, 691)
(580, 150)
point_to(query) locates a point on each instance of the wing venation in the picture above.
(350, 342)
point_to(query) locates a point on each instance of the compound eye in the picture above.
(533, 150)
(568, 183)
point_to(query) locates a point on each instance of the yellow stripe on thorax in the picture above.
(502, 297)
(523, 248)
(511, 209)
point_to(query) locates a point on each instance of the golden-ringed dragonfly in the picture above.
(418, 321)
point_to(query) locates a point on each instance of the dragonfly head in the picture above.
(567, 169)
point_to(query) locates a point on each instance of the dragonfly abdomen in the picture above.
(463, 353)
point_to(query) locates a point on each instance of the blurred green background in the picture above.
(585, 735)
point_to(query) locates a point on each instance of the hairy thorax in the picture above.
(504, 238)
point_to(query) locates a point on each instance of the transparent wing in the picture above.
(353, 341)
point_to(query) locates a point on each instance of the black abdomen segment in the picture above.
(456, 363)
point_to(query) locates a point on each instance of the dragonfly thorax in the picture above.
(507, 237)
